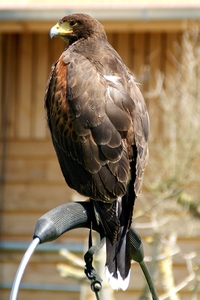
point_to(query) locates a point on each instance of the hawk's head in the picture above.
(78, 26)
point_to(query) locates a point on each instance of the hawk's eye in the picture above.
(72, 23)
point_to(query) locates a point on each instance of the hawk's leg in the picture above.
(89, 270)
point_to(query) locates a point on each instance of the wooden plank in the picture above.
(2, 37)
(9, 84)
(170, 77)
(150, 26)
(20, 226)
(41, 295)
(154, 62)
(24, 86)
(25, 27)
(41, 197)
(145, 74)
(38, 256)
(51, 295)
(137, 279)
(130, 61)
(155, 56)
(56, 47)
(30, 148)
(110, 37)
(43, 273)
(46, 273)
(33, 170)
(122, 47)
(170, 67)
(110, 26)
(70, 238)
(138, 56)
(32, 164)
(40, 75)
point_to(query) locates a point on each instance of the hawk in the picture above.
(99, 127)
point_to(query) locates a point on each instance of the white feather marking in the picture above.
(112, 78)
(117, 283)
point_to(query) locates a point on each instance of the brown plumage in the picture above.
(99, 127)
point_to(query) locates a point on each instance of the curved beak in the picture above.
(60, 30)
(54, 31)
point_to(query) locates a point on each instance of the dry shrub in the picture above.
(170, 203)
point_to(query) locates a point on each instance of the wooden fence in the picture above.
(31, 181)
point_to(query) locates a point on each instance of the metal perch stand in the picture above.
(67, 217)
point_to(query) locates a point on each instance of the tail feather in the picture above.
(118, 263)
(116, 218)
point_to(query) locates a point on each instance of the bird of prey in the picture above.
(99, 127)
